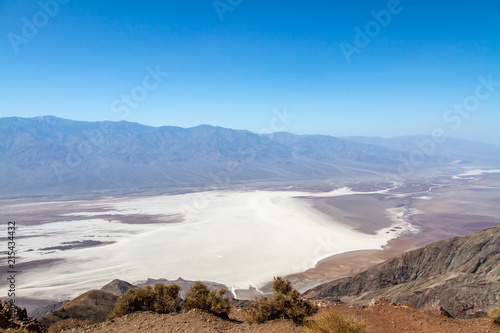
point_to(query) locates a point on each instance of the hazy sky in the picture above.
(374, 68)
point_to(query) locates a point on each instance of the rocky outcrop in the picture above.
(13, 317)
(461, 275)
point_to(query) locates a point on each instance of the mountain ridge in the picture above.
(459, 274)
(53, 156)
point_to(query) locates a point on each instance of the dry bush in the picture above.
(260, 310)
(332, 321)
(285, 304)
(495, 316)
(162, 298)
(202, 298)
(166, 297)
(133, 300)
(68, 324)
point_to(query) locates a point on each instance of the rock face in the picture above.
(461, 275)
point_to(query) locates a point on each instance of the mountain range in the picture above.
(53, 156)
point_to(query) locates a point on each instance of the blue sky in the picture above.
(92, 60)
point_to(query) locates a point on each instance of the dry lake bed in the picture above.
(242, 236)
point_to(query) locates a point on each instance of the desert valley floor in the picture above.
(240, 236)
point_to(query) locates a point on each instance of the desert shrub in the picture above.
(495, 316)
(200, 297)
(133, 300)
(260, 310)
(68, 324)
(332, 321)
(162, 298)
(285, 304)
(166, 297)
(282, 286)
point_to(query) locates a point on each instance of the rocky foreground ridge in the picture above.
(459, 275)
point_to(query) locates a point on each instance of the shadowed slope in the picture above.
(460, 274)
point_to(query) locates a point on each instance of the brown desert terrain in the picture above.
(381, 317)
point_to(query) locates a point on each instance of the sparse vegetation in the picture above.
(200, 297)
(162, 298)
(285, 304)
(495, 316)
(332, 321)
